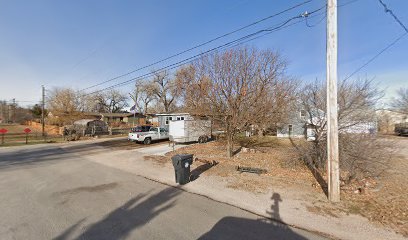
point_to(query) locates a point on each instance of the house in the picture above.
(109, 118)
(127, 118)
(303, 124)
(300, 124)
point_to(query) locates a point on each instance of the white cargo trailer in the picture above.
(182, 131)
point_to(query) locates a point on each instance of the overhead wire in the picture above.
(387, 10)
(195, 57)
(230, 44)
(202, 44)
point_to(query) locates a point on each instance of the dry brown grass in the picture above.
(271, 154)
(383, 200)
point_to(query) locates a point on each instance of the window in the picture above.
(168, 119)
(180, 118)
(302, 113)
(163, 130)
(290, 128)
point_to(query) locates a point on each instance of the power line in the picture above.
(202, 44)
(20, 101)
(305, 19)
(324, 17)
(234, 43)
(387, 10)
(195, 57)
(317, 23)
(377, 55)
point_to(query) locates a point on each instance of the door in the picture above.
(164, 134)
(154, 132)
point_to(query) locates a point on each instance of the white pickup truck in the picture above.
(153, 134)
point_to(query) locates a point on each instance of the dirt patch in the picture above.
(386, 202)
(159, 160)
(124, 144)
(121, 144)
(382, 200)
(271, 154)
(324, 211)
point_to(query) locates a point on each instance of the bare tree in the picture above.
(281, 100)
(233, 87)
(356, 100)
(143, 95)
(65, 104)
(165, 89)
(400, 103)
(111, 102)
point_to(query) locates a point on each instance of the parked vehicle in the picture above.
(142, 128)
(401, 129)
(153, 134)
(85, 127)
(182, 131)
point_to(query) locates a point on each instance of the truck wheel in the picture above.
(147, 141)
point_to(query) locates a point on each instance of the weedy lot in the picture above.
(382, 199)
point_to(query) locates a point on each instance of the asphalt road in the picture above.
(51, 192)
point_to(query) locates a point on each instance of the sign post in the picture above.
(3, 131)
(27, 131)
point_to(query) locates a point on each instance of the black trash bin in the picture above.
(181, 164)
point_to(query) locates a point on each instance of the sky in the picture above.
(80, 43)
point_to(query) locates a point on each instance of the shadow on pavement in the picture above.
(236, 228)
(132, 215)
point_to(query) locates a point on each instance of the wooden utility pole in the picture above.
(333, 172)
(9, 113)
(14, 110)
(42, 111)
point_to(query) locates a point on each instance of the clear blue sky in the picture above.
(79, 43)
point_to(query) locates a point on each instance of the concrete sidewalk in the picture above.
(292, 209)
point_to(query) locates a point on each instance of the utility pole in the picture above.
(333, 172)
(42, 110)
(9, 113)
(14, 110)
(1, 112)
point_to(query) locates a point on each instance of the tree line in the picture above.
(240, 88)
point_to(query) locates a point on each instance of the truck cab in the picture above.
(154, 134)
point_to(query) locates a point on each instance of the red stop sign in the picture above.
(3, 130)
(27, 130)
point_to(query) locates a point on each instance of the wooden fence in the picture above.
(27, 138)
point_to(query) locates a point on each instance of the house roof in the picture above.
(112, 114)
(170, 114)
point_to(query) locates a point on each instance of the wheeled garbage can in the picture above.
(181, 164)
